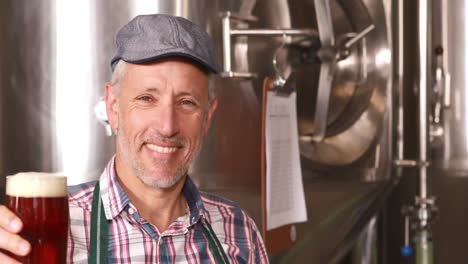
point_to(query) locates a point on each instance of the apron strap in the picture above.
(99, 230)
(214, 244)
(100, 234)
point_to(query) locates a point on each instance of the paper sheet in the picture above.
(285, 191)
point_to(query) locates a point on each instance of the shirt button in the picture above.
(131, 211)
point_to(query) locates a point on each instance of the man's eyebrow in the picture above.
(184, 93)
(152, 89)
(196, 96)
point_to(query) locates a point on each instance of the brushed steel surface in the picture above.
(327, 67)
(451, 153)
(424, 43)
(366, 250)
(48, 90)
(358, 99)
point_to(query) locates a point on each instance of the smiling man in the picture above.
(145, 208)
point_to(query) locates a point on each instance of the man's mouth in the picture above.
(161, 149)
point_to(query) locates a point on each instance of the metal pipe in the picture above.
(445, 38)
(324, 22)
(226, 24)
(400, 71)
(411, 163)
(407, 230)
(424, 36)
(273, 32)
(359, 36)
(228, 32)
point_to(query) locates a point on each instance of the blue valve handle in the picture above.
(406, 251)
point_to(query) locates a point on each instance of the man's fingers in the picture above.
(14, 243)
(10, 224)
(7, 260)
(9, 221)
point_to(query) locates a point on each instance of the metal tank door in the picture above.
(347, 150)
(358, 117)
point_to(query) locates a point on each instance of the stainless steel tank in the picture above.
(54, 63)
(450, 143)
(50, 81)
(447, 121)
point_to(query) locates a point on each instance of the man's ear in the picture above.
(112, 106)
(211, 110)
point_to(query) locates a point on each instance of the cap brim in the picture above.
(211, 68)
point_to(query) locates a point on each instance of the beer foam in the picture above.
(36, 184)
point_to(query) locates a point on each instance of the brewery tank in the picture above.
(55, 60)
(50, 80)
(448, 149)
(449, 144)
(447, 152)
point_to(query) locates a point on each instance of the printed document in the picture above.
(284, 187)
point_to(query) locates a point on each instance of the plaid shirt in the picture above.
(134, 240)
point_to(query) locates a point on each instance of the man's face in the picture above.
(161, 115)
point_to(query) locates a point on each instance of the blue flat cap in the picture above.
(148, 38)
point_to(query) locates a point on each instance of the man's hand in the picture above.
(10, 241)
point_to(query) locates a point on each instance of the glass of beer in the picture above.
(40, 200)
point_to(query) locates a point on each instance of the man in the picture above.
(159, 104)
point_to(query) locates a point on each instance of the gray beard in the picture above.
(149, 181)
(139, 170)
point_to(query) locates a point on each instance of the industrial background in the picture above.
(381, 105)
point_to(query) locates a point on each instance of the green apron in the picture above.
(100, 234)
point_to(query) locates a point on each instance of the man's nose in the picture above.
(168, 121)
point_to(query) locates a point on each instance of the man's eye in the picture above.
(187, 102)
(145, 98)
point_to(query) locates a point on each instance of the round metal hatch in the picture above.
(358, 94)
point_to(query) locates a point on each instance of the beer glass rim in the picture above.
(35, 174)
(36, 184)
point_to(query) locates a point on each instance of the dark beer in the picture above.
(41, 201)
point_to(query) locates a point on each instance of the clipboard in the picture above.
(280, 238)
